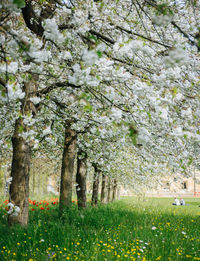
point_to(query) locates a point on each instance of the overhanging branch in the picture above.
(105, 38)
(185, 35)
(144, 37)
(57, 85)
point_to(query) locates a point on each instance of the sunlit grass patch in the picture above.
(130, 229)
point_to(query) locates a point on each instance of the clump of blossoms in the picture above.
(13, 210)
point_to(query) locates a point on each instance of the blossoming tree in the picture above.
(131, 62)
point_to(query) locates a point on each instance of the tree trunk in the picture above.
(81, 180)
(108, 191)
(6, 186)
(19, 188)
(33, 181)
(114, 196)
(103, 189)
(67, 169)
(118, 193)
(95, 190)
(45, 183)
(39, 182)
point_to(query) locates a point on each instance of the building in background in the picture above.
(178, 186)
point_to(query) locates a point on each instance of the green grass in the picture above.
(118, 231)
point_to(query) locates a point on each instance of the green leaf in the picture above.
(12, 78)
(82, 96)
(149, 115)
(88, 107)
(198, 42)
(3, 93)
(42, 1)
(99, 53)
(133, 135)
(19, 3)
(24, 47)
(174, 91)
(190, 161)
(21, 129)
(148, 83)
(93, 37)
(164, 9)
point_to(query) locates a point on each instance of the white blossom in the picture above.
(51, 31)
(35, 100)
(89, 57)
(13, 210)
(15, 91)
(9, 180)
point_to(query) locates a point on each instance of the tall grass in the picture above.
(129, 229)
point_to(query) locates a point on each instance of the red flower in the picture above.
(54, 202)
(47, 208)
(37, 205)
(32, 209)
(42, 208)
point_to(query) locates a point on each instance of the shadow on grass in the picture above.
(122, 230)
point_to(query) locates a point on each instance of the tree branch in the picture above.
(33, 22)
(31, 19)
(107, 39)
(144, 37)
(57, 85)
(3, 83)
(185, 35)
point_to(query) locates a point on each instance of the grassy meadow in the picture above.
(129, 229)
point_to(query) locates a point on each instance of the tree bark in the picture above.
(103, 189)
(114, 195)
(39, 183)
(33, 181)
(108, 191)
(19, 188)
(81, 180)
(67, 170)
(95, 190)
(118, 193)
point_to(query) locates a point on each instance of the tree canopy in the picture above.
(125, 74)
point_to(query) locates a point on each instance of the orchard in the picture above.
(98, 91)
